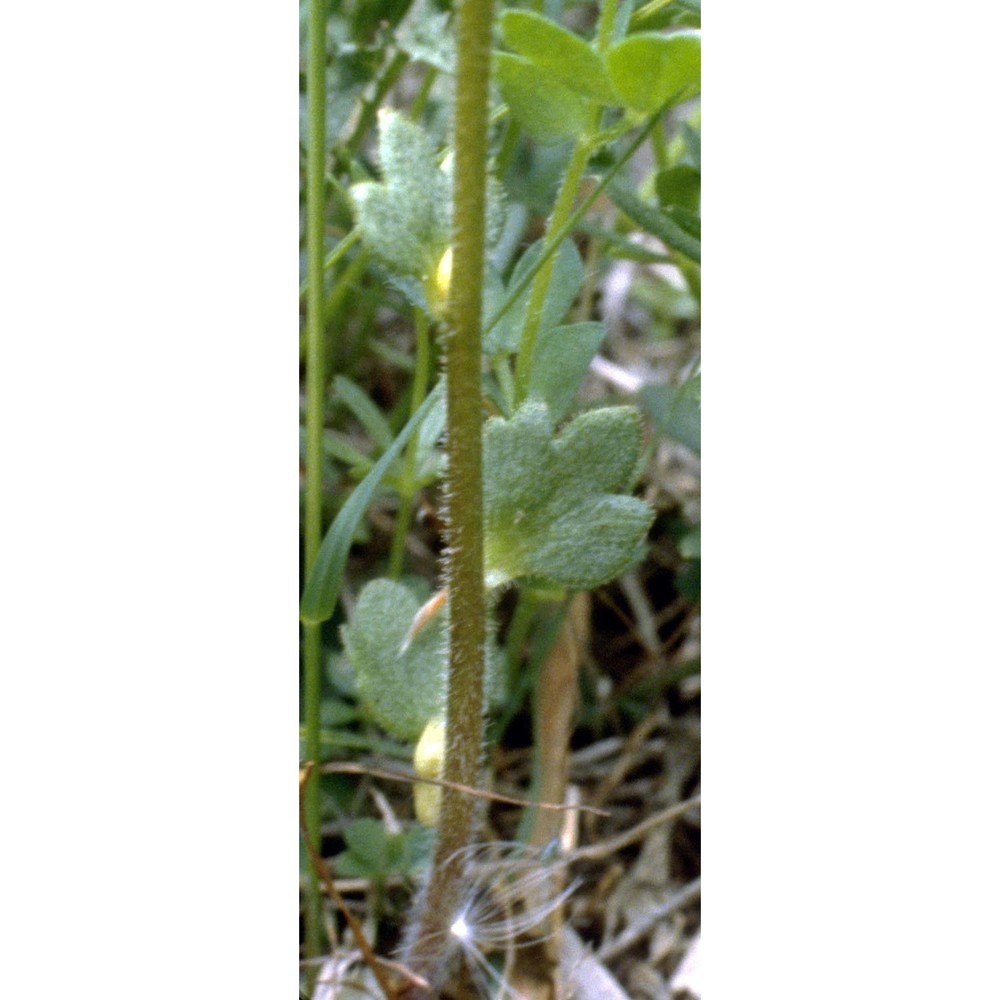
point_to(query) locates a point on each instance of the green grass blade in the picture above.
(323, 586)
(654, 221)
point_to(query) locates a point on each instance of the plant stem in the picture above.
(408, 486)
(467, 633)
(371, 106)
(315, 392)
(335, 254)
(515, 293)
(420, 101)
(560, 213)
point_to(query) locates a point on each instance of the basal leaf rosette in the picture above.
(552, 510)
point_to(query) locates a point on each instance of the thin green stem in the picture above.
(315, 393)
(507, 148)
(370, 107)
(407, 488)
(560, 213)
(552, 245)
(334, 255)
(420, 101)
(467, 597)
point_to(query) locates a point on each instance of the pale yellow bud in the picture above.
(442, 279)
(428, 762)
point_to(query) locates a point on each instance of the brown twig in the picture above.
(597, 851)
(323, 871)
(378, 772)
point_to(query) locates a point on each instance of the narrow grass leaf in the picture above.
(654, 221)
(367, 413)
(323, 586)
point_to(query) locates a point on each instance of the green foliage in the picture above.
(648, 70)
(401, 689)
(323, 585)
(550, 111)
(551, 507)
(666, 227)
(402, 682)
(567, 279)
(565, 57)
(557, 506)
(406, 219)
(562, 358)
(676, 412)
(680, 187)
(375, 854)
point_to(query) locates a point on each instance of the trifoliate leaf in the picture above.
(550, 506)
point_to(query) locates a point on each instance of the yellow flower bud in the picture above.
(428, 762)
(443, 277)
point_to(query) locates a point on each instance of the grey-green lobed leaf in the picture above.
(551, 510)
(403, 689)
(405, 219)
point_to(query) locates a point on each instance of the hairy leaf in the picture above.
(550, 507)
(401, 690)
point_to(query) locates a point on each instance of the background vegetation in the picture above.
(594, 683)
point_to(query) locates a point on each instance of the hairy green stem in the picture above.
(315, 393)
(408, 486)
(467, 597)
